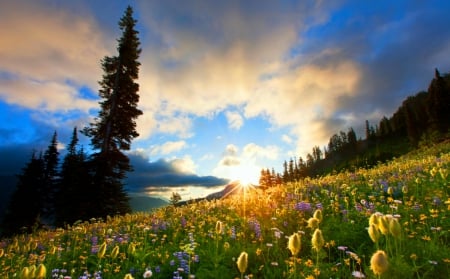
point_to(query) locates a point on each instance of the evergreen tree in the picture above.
(24, 209)
(115, 127)
(50, 190)
(439, 104)
(72, 198)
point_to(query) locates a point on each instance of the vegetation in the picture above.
(421, 120)
(46, 195)
(390, 221)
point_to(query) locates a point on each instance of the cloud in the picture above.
(166, 175)
(235, 120)
(168, 147)
(47, 47)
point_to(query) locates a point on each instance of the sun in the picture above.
(246, 174)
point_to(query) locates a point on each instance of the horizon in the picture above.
(227, 89)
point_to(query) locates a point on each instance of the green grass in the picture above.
(185, 241)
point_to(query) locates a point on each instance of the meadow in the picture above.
(390, 221)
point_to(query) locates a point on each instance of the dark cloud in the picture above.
(163, 174)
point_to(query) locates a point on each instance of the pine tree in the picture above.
(72, 198)
(439, 104)
(115, 127)
(50, 190)
(24, 209)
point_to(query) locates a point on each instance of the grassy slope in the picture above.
(416, 187)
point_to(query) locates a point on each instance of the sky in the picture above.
(226, 87)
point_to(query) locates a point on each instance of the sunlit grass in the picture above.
(330, 216)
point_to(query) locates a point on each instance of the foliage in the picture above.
(277, 229)
(421, 120)
(115, 128)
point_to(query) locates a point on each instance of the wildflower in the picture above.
(226, 245)
(115, 252)
(25, 273)
(128, 276)
(379, 262)
(242, 262)
(374, 218)
(358, 274)
(101, 251)
(2, 252)
(390, 191)
(383, 224)
(219, 227)
(405, 189)
(294, 244)
(258, 252)
(313, 223)
(342, 248)
(147, 274)
(374, 233)
(318, 215)
(395, 228)
(317, 240)
(41, 272)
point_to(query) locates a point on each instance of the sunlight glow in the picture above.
(246, 174)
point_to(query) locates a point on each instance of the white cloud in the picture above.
(45, 48)
(286, 139)
(235, 120)
(168, 147)
(184, 165)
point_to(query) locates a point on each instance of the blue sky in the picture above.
(226, 87)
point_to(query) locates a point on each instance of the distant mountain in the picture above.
(139, 203)
(233, 188)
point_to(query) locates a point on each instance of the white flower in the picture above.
(358, 274)
(148, 273)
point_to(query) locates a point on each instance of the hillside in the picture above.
(328, 227)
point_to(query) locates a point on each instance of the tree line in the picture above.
(85, 186)
(421, 119)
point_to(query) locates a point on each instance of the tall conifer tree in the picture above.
(25, 205)
(115, 128)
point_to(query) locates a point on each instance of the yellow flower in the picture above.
(374, 233)
(25, 273)
(383, 224)
(41, 272)
(226, 245)
(115, 252)
(294, 244)
(313, 223)
(101, 251)
(242, 262)
(219, 227)
(258, 252)
(317, 240)
(395, 228)
(379, 262)
(318, 215)
(128, 276)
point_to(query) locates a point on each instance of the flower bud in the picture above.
(379, 262)
(115, 252)
(294, 244)
(41, 272)
(374, 233)
(317, 240)
(242, 262)
(101, 251)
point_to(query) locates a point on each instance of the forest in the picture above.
(421, 120)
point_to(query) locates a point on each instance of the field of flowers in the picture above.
(391, 221)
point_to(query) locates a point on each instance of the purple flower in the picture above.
(303, 206)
